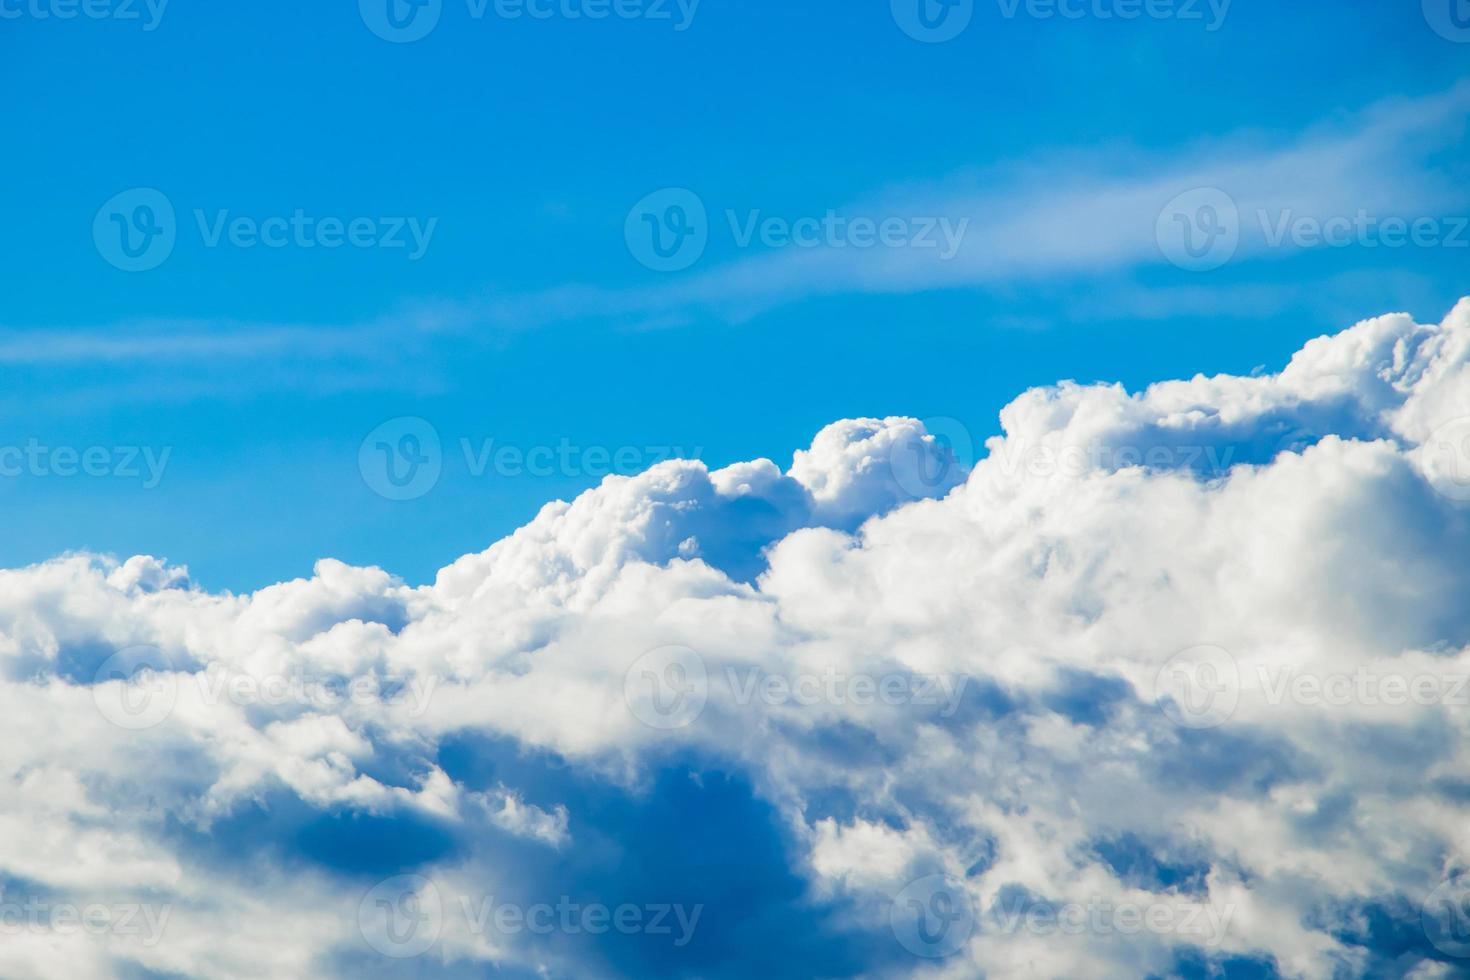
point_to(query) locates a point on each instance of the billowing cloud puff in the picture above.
(1170, 683)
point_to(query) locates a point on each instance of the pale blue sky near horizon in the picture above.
(517, 147)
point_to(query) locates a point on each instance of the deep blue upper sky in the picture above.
(528, 321)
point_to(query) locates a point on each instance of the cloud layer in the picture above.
(1169, 682)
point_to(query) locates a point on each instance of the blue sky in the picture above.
(528, 320)
(314, 309)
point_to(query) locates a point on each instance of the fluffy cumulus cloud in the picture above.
(1169, 683)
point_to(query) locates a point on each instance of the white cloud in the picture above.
(1310, 522)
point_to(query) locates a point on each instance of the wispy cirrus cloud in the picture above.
(1082, 221)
